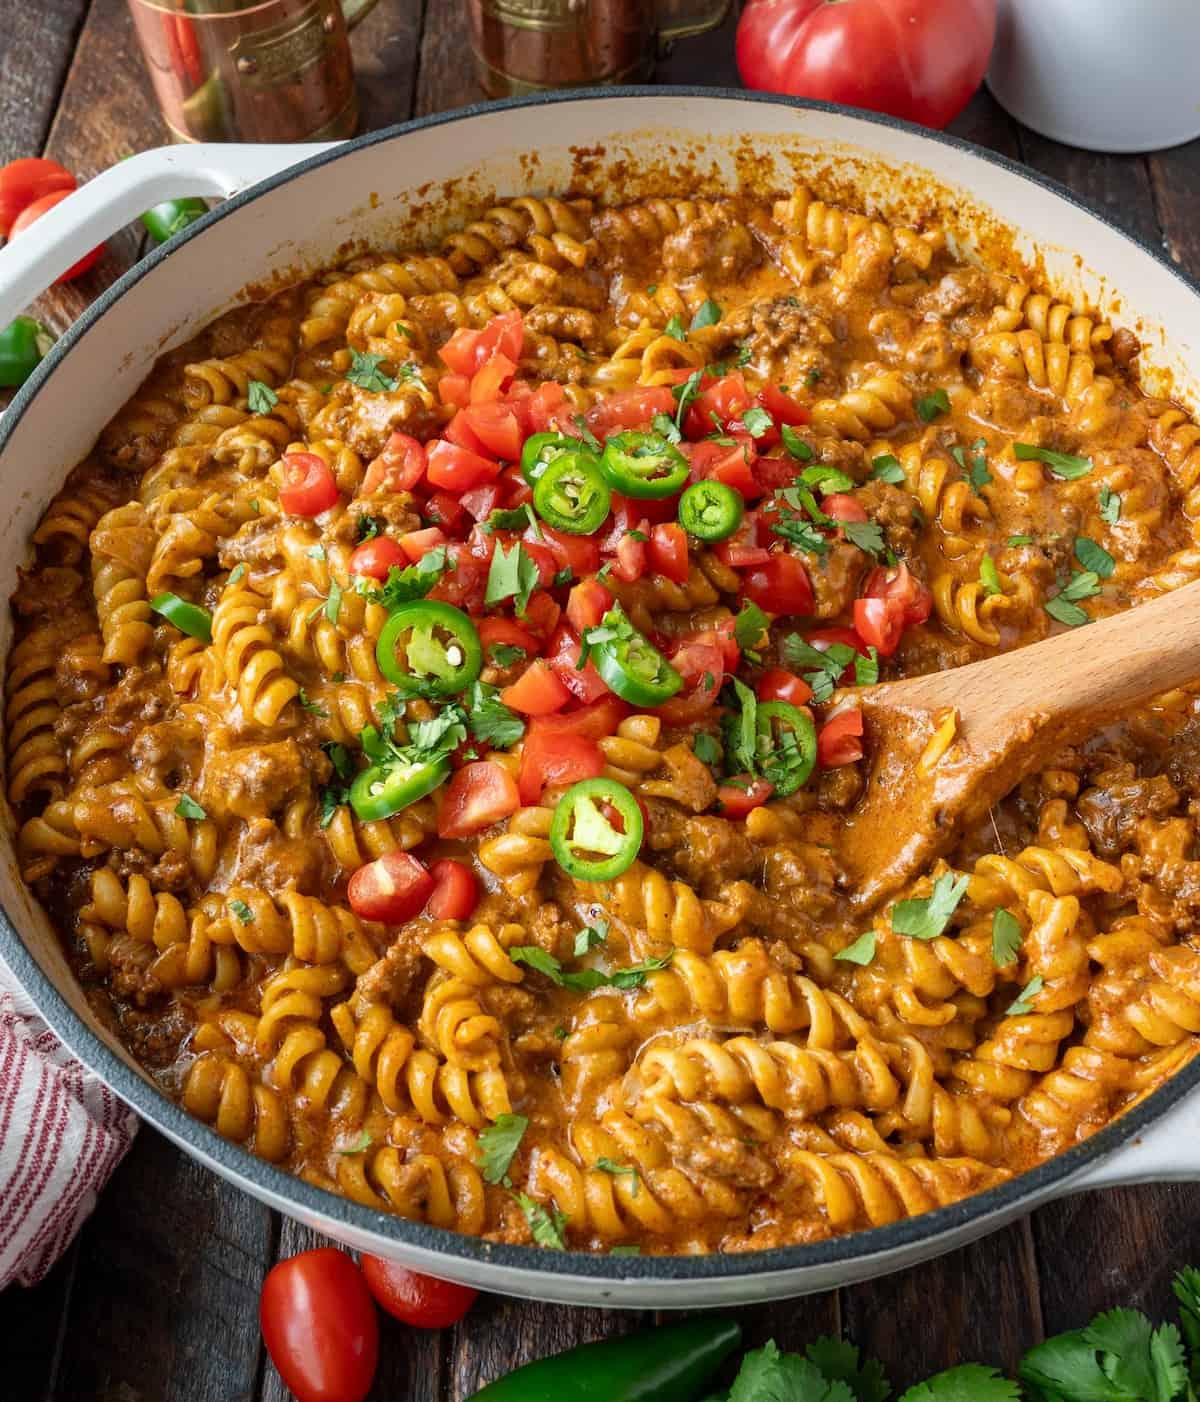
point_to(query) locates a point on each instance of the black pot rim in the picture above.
(152, 1105)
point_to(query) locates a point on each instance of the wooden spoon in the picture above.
(1008, 716)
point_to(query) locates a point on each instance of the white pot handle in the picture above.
(116, 197)
(1168, 1151)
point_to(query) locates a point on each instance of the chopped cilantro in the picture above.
(546, 1224)
(1110, 506)
(260, 398)
(989, 576)
(1061, 464)
(664, 425)
(187, 807)
(1024, 1003)
(675, 329)
(498, 1145)
(862, 951)
(750, 625)
(242, 911)
(589, 937)
(705, 748)
(757, 421)
(617, 1170)
(794, 444)
(1006, 937)
(887, 468)
(933, 405)
(365, 372)
(512, 575)
(1094, 557)
(707, 314)
(867, 535)
(925, 918)
(237, 574)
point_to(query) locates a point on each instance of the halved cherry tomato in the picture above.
(541, 614)
(468, 351)
(667, 552)
(578, 553)
(479, 794)
(743, 548)
(320, 1327)
(393, 888)
(455, 390)
(455, 896)
(735, 801)
(630, 408)
(782, 407)
(587, 604)
(33, 212)
(552, 755)
(457, 468)
(894, 600)
(701, 665)
(398, 468)
(841, 506)
(417, 544)
(420, 1300)
(463, 585)
(562, 652)
(728, 463)
(374, 558)
(537, 691)
(495, 632)
(481, 501)
(445, 510)
(781, 585)
(308, 485)
(840, 739)
(880, 622)
(490, 381)
(24, 182)
(778, 684)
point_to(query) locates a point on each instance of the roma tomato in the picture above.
(455, 896)
(630, 408)
(458, 469)
(537, 691)
(419, 1300)
(778, 684)
(468, 351)
(879, 623)
(587, 603)
(308, 485)
(398, 468)
(506, 632)
(667, 552)
(781, 585)
(736, 800)
(702, 666)
(496, 427)
(841, 506)
(840, 740)
(563, 649)
(479, 794)
(393, 888)
(782, 407)
(917, 59)
(728, 463)
(375, 557)
(417, 544)
(33, 212)
(320, 1327)
(27, 180)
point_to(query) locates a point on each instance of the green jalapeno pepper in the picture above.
(669, 1364)
(571, 495)
(443, 653)
(540, 450)
(643, 465)
(165, 220)
(585, 842)
(629, 664)
(384, 789)
(23, 343)
(188, 618)
(786, 740)
(711, 510)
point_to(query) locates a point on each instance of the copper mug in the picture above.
(524, 46)
(228, 70)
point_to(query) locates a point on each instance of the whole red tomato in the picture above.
(24, 181)
(420, 1300)
(320, 1327)
(918, 59)
(33, 212)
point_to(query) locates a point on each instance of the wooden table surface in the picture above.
(157, 1299)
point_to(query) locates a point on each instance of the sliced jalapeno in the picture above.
(384, 789)
(540, 450)
(188, 618)
(711, 510)
(596, 831)
(643, 465)
(571, 495)
(629, 664)
(786, 741)
(442, 651)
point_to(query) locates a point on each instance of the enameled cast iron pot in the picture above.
(381, 189)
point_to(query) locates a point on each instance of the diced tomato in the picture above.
(463, 585)
(841, 506)
(481, 501)
(821, 638)
(722, 401)
(778, 684)
(728, 463)
(667, 552)
(308, 486)
(595, 720)
(468, 351)
(545, 401)
(578, 553)
(460, 432)
(479, 794)
(881, 624)
(455, 390)
(455, 892)
(541, 614)
(537, 691)
(587, 604)
(398, 468)
(445, 510)
(552, 756)
(544, 558)
(459, 351)
(725, 637)
(742, 549)
(497, 631)
(496, 427)
(482, 544)
(773, 473)
(417, 544)
(781, 585)
(458, 469)
(735, 800)
(491, 380)
(515, 491)
(782, 407)
(393, 888)
(374, 558)
(840, 739)
(894, 600)
(563, 651)
(630, 408)
(701, 665)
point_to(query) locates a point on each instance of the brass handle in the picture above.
(707, 17)
(356, 10)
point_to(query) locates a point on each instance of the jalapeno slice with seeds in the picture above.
(188, 618)
(629, 663)
(711, 510)
(596, 831)
(442, 651)
(786, 740)
(384, 789)
(540, 450)
(571, 495)
(643, 465)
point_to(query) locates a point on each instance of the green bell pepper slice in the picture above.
(711, 510)
(643, 465)
(384, 789)
(23, 343)
(628, 663)
(585, 842)
(442, 650)
(786, 739)
(571, 495)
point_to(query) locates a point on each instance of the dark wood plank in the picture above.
(165, 1304)
(33, 1325)
(386, 46)
(1120, 185)
(1175, 181)
(986, 1302)
(34, 55)
(986, 123)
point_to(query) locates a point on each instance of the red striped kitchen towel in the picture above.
(61, 1134)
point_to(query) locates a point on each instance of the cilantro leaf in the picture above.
(358, 1146)
(757, 421)
(1110, 506)
(1006, 938)
(867, 535)
(827, 479)
(932, 405)
(402, 586)
(187, 807)
(260, 398)
(307, 704)
(365, 372)
(1063, 465)
(624, 1250)
(767, 1375)
(498, 1145)
(838, 1359)
(802, 533)
(707, 314)
(546, 1224)
(925, 918)
(370, 526)
(866, 669)
(512, 575)
(979, 476)
(887, 468)
(1186, 1287)
(969, 1382)
(750, 625)
(1065, 1366)
(242, 911)
(825, 666)
(664, 425)
(740, 727)
(1023, 1003)
(794, 444)
(705, 748)
(491, 721)
(675, 329)
(589, 937)
(237, 574)
(862, 951)
(586, 434)
(685, 394)
(615, 1170)
(505, 654)
(1094, 557)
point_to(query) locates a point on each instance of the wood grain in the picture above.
(1175, 182)
(1120, 185)
(36, 42)
(386, 48)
